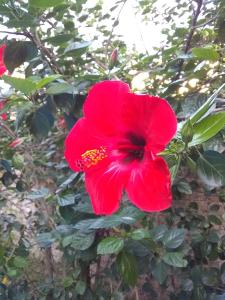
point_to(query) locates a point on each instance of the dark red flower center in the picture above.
(133, 148)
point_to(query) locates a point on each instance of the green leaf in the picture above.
(174, 169)
(187, 285)
(199, 293)
(47, 80)
(160, 272)
(214, 220)
(46, 3)
(206, 106)
(187, 132)
(205, 54)
(21, 114)
(127, 267)
(173, 238)
(127, 215)
(77, 48)
(110, 245)
(42, 120)
(67, 281)
(158, 232)
(184, 187)
(175, 259)
(20, 262)
(17, 52)
(59, 88)
(210, 277)
(80, 287)
(211, 169)
(79, 241)
(39, 125)
(139, 234)
(191, 164)
(45, 240)
(207, 128)
(59, 39)
(66, 200)
(213, 236)
(41, 193)
(25, 86)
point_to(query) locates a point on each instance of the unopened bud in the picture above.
(113, 58)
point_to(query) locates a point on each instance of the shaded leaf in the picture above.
(77, 48)
(139, 234)
(127, 267)
(160, 272)
(47, 80)
(59, 88)
(110, 245)
(173, 238)
(79, 241)
(175, 259)
(17, 52)
(80, 287)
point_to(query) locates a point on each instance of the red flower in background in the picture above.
(2, 64)
(15, 143)
(116, 145)
(3, 115)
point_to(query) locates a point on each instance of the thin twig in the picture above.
(115, 22)
(189, 37)
(47, 56)
(7, 129)
(16, 33)
(207, 22)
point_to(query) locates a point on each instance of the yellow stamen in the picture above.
(91, 158)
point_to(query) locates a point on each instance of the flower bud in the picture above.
(113, 58)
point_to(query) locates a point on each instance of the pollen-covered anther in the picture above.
(91, 158)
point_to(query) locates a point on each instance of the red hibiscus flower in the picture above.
(116, 145)
(2, 64)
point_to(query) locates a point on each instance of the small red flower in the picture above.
(61, 123)
(116, 145)
(15, 143)
(2, 64)
(3, 116)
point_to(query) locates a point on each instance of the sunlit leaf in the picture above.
(45, 3)
(207, 128)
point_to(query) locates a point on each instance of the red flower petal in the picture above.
(2, 69)
(105, 189)
(2, 49)
(2, 65)
(103, 104)
(82, 137)
(151, 116)
(149, 186)
(4, 116)
(16, 142)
